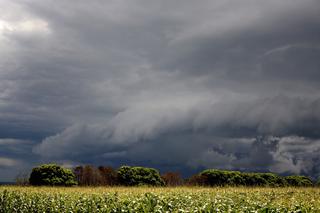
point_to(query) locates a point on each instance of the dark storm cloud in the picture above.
(15, 156)
(217, 135)
(172, 84)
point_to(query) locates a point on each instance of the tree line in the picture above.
(88, 175)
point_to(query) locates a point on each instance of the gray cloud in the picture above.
(217, 135)
(15, 156)
(134, 82)
(7, 162)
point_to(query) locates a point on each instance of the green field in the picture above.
(144, 199)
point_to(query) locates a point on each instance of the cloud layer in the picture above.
(179, 85)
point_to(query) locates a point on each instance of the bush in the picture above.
(254, 179)
(273, 179)
(236, 179)
(51, 175)
(137, 176)
(215, 177)
(298, 180)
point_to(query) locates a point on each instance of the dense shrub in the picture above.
(273, 179)
(52, 175)
(216, 177)
(298, 180)
(236, 179)
(254, 179)
(213, 177)
(135, 176)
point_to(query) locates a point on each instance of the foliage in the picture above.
(144, 199)
(135, 176)
(52, 175)
(89, 175)
(216, 177)
(273, 179)
(254, 179)
(213, 177)
(298, 180)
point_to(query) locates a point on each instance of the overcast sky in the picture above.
(177, 85)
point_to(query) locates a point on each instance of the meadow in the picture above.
(158, 199)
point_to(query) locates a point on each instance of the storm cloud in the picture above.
(178, 85)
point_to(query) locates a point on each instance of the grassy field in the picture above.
(143, 199)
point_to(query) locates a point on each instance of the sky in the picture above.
(177, 85)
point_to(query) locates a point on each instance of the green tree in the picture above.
(51, 175)
(215, 177)
(136, 176)
(298, 180)
(254, 179)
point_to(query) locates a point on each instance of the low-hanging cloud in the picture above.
(222, 126)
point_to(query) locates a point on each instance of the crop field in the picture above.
(147, 199)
